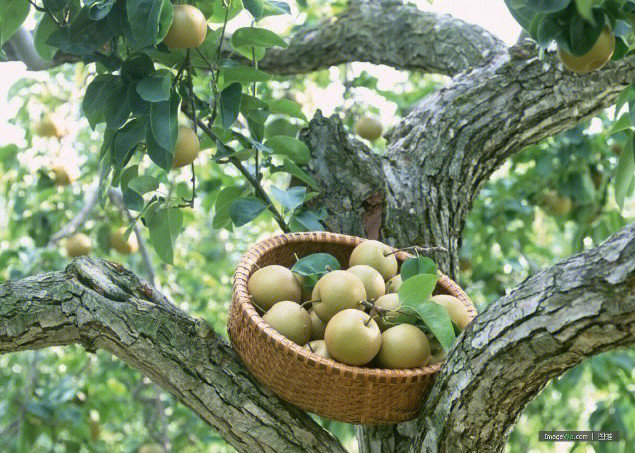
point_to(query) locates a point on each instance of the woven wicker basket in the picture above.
(322, 386)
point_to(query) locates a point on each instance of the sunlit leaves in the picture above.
(624, 174)
(290, 147)
(155, 87)
(256, 37)
(12, 14)
(291, 198)
(148, 20)
(162, 131)
(97, 93)
(244, 210)
(165, 224)
(222, 205)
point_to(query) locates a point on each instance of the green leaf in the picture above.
(144, 17)
(230, 99)
(316, 264)
(157, 153)
(137, 105)
(290, 147)
(256, 37)
(585, 9)
(165, 225)
(255, 7)
(244, 210)
(128, 174)
(116, 109)
(288, 107)
(214, 10)
(417, 290)
(243, 74)
(289, 167)
(621, 124)
(143, 184)
(624, 172)
(100, 9)
(155, 87)
(126, 139)
(290, 198)
(132, 200)
(137, 66)
(419, 265)
(12, 14)
(98, 92)
(437, 320)
(43, 31)
(164, 125)
(306, 221)
(222, 204)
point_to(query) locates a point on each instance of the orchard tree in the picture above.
(151, 62)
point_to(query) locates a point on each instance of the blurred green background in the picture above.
(546, 203)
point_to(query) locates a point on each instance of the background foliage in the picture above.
(71, 400)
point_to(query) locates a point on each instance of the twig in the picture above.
(260, 192)
(422, 250)
(117, 198)
(79, 218)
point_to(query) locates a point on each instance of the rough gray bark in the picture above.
(440, 156)
(562, 315)
(365, 32)
(99, 304)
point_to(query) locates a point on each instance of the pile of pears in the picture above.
(350, 312)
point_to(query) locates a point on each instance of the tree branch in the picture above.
(554, 320)
(80, 217)
(99, 304)
(366, 31)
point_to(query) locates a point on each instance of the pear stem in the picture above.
(417, 249)
(310, 348)
(309, 302)
(371, 315)
(296, 257)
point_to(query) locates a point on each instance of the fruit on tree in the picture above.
(403, 346)
(388, 301)
(272, 284)
(48, 127)
(393, 285)
(318, 347)
(151, 448)
(368, 128)
(374, 254)
(595, 58)
(78, 244)
(123, 246)
(557, 204)
(187, 146)
(188, 28)
(455, 308)
(62, 174)
(291, 320)
(352, 338)
(372, 280)
(337, 291)
(317, 326)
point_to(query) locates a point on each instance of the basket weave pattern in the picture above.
(322, 386)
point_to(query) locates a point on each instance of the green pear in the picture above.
(403, 346)
(373, 254)
(393, 285)
(273, 284)
(387, 302)
(455, 308)
(372, 280)
(350, 340)
(337, 291)
(291, 320)
(318, 347)
(317, 326)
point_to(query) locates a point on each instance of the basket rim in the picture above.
(246, 310)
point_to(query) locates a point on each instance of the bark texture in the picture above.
(99, 304)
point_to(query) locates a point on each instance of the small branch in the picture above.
(417, 249)
(117, 198)
(79, 219)
(260, 192)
